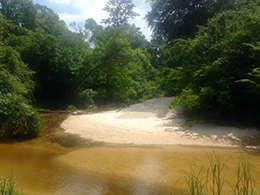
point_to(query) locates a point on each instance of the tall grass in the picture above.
(216, 171)
(195, 184)
(213, 181)
(245, 183)
(9, 187)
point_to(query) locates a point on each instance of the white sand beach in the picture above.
(152, 123)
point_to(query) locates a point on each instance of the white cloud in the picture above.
(88, 9)
(94, 9)
(68, 18)
(60, 1)
(137, 10)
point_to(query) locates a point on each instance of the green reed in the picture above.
(245, 182)
(8, 187)
(216, 171)
(196, 184)
(214, 180)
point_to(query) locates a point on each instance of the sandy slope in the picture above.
(152, 123)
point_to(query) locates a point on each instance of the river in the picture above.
(46, 165)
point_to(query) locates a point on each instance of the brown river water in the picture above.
(56, 163)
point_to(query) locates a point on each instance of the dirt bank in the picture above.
(152, 123)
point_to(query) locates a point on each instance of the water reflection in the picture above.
(45, 168)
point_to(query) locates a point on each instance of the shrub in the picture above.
(17, 117)
(216, 74)
(71, 108)
(86, 98)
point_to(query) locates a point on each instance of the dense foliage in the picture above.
(67, 63)
(119, 69)
(119, 12)
(171, 19)
(44, 63)
(177, 18)
(124, 74)
(217, 72)
(206, 53)
(17, 117)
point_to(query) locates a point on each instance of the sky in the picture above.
(80, 10)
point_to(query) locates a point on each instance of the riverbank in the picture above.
(152, 123)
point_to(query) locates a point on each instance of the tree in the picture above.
(76, 65)
(22, 13)
(125, 74)
(17, 117)
(119, 69)
(92, 29)
(135, 37)
(120, 11)
(171, 19)
(53, 52)
(211, 66)
(113, 52)
(49, 21)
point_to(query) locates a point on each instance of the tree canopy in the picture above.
(214, 71)
(68, 64)
(206, 53)
(171, 19)
(120, 11)
(116, 48)
(17, 117)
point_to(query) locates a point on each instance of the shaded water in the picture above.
(45, 168)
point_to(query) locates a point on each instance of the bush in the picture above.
(17, 117)
(86, 98)
(216, 74)
(71, 108)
